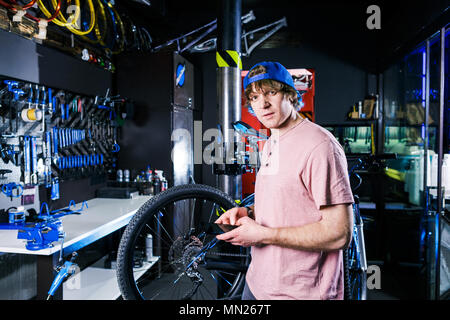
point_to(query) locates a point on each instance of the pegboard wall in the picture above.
(48, 136)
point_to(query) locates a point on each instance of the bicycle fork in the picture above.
(358, 233)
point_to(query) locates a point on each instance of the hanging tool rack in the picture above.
(49, 135)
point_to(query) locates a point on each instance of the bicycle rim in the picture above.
(177, 220)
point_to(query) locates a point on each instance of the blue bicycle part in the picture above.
(7, 190)
(55, 189)
(17, 93)
(68, 269)
(11, 84)
(65, 270)
(16, 216)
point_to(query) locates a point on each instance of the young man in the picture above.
(302, 217)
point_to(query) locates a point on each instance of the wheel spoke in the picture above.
(164, 229)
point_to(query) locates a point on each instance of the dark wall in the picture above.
(146, 79)
(339, 85)
(18, 57)
(23, 59)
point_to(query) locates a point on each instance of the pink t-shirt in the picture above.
(301, 170)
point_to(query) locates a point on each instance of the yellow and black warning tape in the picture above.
(228, 58)
(307, 114)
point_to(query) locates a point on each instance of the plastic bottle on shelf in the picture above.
(156, 184)
(164, 185)
(148, 174)
(149, 247)
(119, 175)
(376, 111)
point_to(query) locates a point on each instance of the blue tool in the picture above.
(36, 101)
(55, 140)
(48, 229)
(116, 148)
(34, 170)
(51, 100)
(30, 96)
(61, 138)
(63, 111)
(16, 215)
(53, 104)
(26, 156)
(8, 190)
(55, 189)
(17, 93)
(65, 270)
(112, 112)
(48, 159)
(11, 84)
(67, 132)
(40, 235)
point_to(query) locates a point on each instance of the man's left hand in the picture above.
(249, 233)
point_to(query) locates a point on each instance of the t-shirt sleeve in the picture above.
(326, 175)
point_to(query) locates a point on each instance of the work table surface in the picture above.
(102, 217)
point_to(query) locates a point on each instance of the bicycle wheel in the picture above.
(188, 262)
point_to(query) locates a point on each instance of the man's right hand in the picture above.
(232, 215)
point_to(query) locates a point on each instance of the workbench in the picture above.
(102, 217)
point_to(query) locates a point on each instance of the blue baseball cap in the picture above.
(274, 71)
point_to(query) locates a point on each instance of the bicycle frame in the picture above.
(358, 234)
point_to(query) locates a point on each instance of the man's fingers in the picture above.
(243, 220)
(222, 219)
(227, 236)
(233, 217)
(228, 217)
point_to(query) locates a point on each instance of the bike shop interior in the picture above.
(97, 99)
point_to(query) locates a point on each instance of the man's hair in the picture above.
(256, 86)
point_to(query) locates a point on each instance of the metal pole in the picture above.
(229, 67)
(426, 141)
(441, 199)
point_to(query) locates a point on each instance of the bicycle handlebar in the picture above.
(372, 159)
(367, 161)
(384, 156)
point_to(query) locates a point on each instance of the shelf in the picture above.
(98, 283)
(390, 206)
(363, 120)
(397, 123)
(350, 123)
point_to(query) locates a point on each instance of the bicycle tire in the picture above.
(347, 288)
(125, 277)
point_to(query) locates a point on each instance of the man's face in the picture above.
(272, 108)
